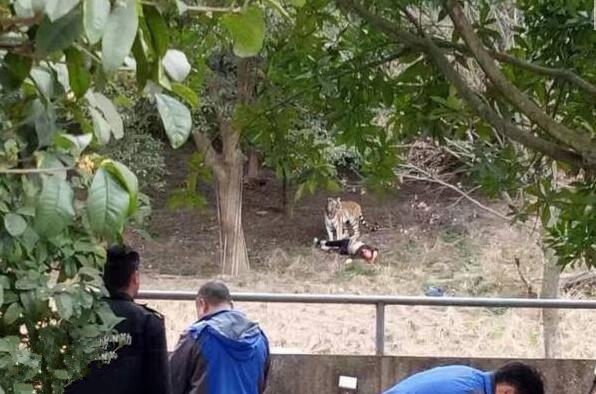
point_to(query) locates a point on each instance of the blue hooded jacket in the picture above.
(453, 379)
(228, 354)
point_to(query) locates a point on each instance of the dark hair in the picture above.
(214, 293)
(121, 264)
(524, 378)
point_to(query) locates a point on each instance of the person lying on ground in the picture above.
(511, 378)
(222, 352)
(350, 247)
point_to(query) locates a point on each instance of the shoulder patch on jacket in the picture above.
(153, 311)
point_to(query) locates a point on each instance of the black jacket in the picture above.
(141, 366)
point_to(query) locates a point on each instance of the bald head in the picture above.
(212, 297)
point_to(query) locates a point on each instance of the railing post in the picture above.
(380, 330)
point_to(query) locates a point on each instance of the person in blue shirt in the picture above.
(512, 378)
(221, 353)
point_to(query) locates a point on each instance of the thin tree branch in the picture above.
(15, 23)
(202, 9)
(562, 73)
(331, 74)
(472, 190)
(580, 142)
(429, 178)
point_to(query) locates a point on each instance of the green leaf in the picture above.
(187, 94)
(64, 305)
(43, 81)
(55, 208)
(298, 3)
(1, 294)
(44, 119)
(61, 374)
(9, 343)
(126, 178)
(101, 128)
(95, 19)
(26, 283)
(119, 34)
(107, 316)
(78, 75)
(14, 224)
(23, 388)
(15, 69)
(176, 65)
(4, 281)
(247, 31)
(26, 211)
(56, 9)
(142, 53)
(107, 204)
(76, 144)
(109, 111)
(24, 8)
(49, 160)
(12, 313)
(176, 119)
(160, 33)
(60, 34)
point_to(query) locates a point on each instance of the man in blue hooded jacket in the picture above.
(512, 378)
(222, 352)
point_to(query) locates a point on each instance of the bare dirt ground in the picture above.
(428, 237)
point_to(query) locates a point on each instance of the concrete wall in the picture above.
(319, 374)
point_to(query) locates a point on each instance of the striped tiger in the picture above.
(341, 217)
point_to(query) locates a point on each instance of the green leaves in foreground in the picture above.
(112, 198)
(119, 35)
(60, 34)
(176, 119)
(55, 208)
(14, 224)
(247, 30)
(96, 18)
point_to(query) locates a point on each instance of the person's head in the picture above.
(518, 378)
(213, 296)
(368, 253)
(121, 272)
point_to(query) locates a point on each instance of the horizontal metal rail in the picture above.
(380, 301)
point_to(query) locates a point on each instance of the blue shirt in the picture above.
(453, 379)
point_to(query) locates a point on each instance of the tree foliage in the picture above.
(382, 73)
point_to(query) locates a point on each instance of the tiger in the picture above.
(347, 213)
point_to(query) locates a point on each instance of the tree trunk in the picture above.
(233, 254)
(253, 165)
(286, 199)
(550, 317)
(228, 169)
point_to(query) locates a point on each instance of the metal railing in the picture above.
(380, 301)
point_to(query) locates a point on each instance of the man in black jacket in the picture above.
(142, 365)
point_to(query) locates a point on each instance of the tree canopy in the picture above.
(513, 84)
